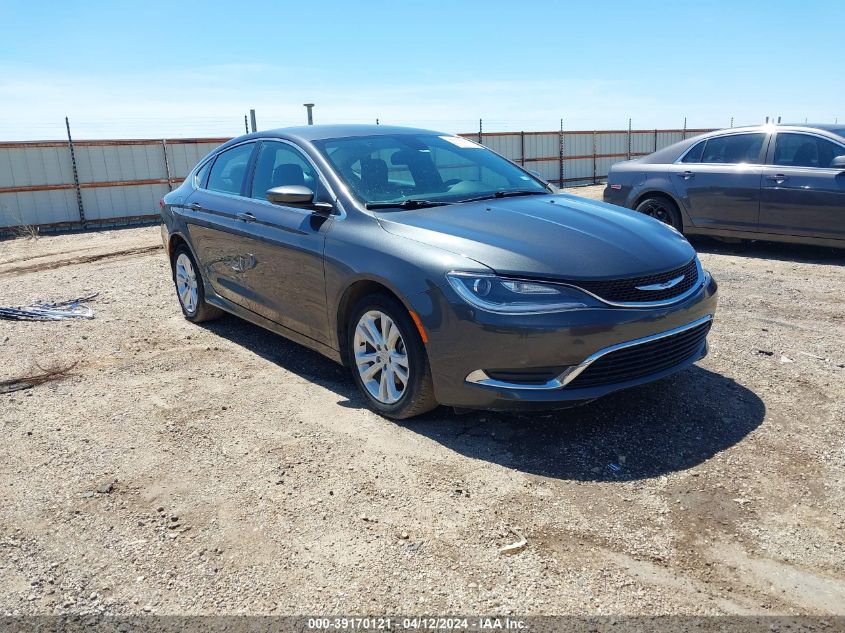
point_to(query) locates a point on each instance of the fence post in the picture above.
(561, 171)
(685, 127)
(167, 165)
(522, 148)
(629, 139)
(595, 176)
(246, 125)
(75, 174)
(655, 139)
(479, 132)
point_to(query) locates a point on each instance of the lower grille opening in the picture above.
(645, 359)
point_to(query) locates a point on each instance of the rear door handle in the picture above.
(778, 178)
(686, 175)
(246, 217)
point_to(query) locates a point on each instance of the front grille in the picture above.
(625, 290)
(645, 359)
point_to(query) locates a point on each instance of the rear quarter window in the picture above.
(694, 155)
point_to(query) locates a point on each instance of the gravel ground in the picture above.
(182, 469)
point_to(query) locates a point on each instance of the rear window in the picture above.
(734, 149)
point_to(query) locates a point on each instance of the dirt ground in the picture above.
(182, 469)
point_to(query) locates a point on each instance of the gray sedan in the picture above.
(782, 183)
(436, 270)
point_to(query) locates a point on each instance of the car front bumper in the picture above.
(491, 361)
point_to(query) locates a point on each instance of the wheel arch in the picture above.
(175, 240)
(354, 292)
(660, 193)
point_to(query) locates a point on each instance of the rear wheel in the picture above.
(189, 287)
(388, 359)
(663, 209)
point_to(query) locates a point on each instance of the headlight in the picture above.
(507, 296)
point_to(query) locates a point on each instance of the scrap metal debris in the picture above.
(27, 382)
(71, 309)
(516, 547)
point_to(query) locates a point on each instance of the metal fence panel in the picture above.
(120, 180)
(22, 166)
(38, 207)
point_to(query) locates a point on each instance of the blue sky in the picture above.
(153, 68)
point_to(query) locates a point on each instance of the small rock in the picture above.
(105, 488)
(404, 536)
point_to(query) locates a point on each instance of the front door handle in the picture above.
(686, 175)
(246, 217)
(778, 178)
(195, 207)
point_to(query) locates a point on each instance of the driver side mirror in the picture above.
(838, 162)
(297, 196)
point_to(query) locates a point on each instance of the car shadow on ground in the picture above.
(780, 251)
(667, 426)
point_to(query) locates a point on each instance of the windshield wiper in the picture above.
(508, 194)
(406, 204)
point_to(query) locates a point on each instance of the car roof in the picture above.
(311, 133)
(767, 127)
(672, 152)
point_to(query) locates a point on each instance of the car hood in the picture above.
(554, 236)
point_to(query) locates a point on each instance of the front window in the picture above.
(402, 167)
(279, 164)
(805, 150)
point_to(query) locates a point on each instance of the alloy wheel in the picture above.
(186, 283)
(381, 357)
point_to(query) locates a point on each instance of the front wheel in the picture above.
(388, 359)
(662, 209)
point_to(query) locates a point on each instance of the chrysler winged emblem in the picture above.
(664, 286)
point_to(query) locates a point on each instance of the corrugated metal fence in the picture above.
(120, 182)
(568, 158)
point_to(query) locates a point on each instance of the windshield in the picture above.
(401, 167)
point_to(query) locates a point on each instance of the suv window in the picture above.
(279, 164)
(805, 150)
(227, 173)
(734, 149)
(694, 155)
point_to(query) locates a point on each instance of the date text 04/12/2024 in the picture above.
(424, 623)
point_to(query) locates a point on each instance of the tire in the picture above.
(383, 367)
(663, 209)
(189, 287)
